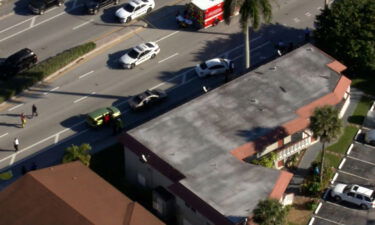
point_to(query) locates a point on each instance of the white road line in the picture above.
(175, 54)
(15, 25)
(56, 138)
(53, 89)
(329, 220)
(351, 174)
(334, 178)
(80, 99)
(83, 24)
(14, 107)
(308, 14)
(4, 135)
(13, 158)
(19, 32)
(32, 22)
(350, 149)
(318, 208)
(342, 163)
(296, 20)
(311, 222)
(86, 74)
(167, 36)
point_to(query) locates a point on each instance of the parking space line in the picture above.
(373, 164)
(14, 107)
(334, 178)
(32, 21)
(319, 217)
(318, 208)
(351, 174)
(342, 163)
(83, 24)
(350, 149)
(169, 57)
(86, 74)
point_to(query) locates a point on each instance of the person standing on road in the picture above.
(23, 119)
(16, 143)
(34, 111)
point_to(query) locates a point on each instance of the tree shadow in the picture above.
(356, 119)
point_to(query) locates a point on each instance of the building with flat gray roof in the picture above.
(198, 151)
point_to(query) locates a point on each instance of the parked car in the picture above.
(93, 6)
(139, 54)
(214, 66)
(18, 62)
(40, 6)
(355, 194)
(370, 137)
(134, 9)
(102, 116)
(146, 98)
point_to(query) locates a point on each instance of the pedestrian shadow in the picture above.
(10, 125)
(6, 150)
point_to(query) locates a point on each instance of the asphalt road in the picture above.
(63, 102)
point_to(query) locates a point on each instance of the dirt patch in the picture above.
(299, 214)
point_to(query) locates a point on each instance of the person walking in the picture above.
(34, 111)
(16, 144)
(23, 119)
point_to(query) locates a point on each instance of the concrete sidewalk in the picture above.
(311, 153)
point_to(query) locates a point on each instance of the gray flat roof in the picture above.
(197, 137)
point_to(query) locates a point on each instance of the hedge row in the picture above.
(22, 81)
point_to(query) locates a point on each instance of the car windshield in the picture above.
(347, 188)
(150, 45)
(129, 8)
(133, 54)
(203, 65)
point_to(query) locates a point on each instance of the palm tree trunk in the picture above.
(247, 47)
(322, 162)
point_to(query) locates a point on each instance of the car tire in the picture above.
(153, 56)
(149, 10)
(132, 66)
(338, 198)
(128, 20)
(41, 12)
(364, 206)
(60, 3)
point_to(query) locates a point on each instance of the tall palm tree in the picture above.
(251, 12)
(75, 152)
(325, 125)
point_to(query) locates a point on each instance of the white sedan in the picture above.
(139, 54)
(214, 66)
(134, 9)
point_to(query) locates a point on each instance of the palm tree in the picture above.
(75, 152)
(270, 212)
(250, 11)
(325, 125)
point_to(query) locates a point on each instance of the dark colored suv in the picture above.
(40, 6)
(18, 62)
(93, 6)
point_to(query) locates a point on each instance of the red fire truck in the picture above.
(205, 13)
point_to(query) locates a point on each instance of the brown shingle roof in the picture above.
(69, 194)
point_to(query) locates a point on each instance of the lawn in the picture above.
(361, 110)
(344, 141)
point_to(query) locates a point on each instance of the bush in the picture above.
(42, 70)
(312, 187)
(311, 205)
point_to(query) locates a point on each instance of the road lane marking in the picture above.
(296, 20)
(32, 21)
(83, 24)
(86, 74)
(319, 8)
(80, 99)
(4, 135)
(167, 36)
(53, 89)
(13, 158)
(44, 21)
(15, 107)
(15, 25)
(175, 54)
(308, 14)
(57, 138)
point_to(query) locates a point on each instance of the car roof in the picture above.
(143, 47)
(101, 111)
(370, 135)
(135, 3)
(362, 190)
(23, 53)
(213, 62)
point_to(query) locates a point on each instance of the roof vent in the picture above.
(283, 89)
(324, 76)
(273, 68)
(254, 100)
(309, 49)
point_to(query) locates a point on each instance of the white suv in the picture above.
(355, 194)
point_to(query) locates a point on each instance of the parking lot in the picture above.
(357, 167)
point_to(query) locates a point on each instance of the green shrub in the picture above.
(266, 161)
(311, 205)
(42, 70)
(311, 188)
